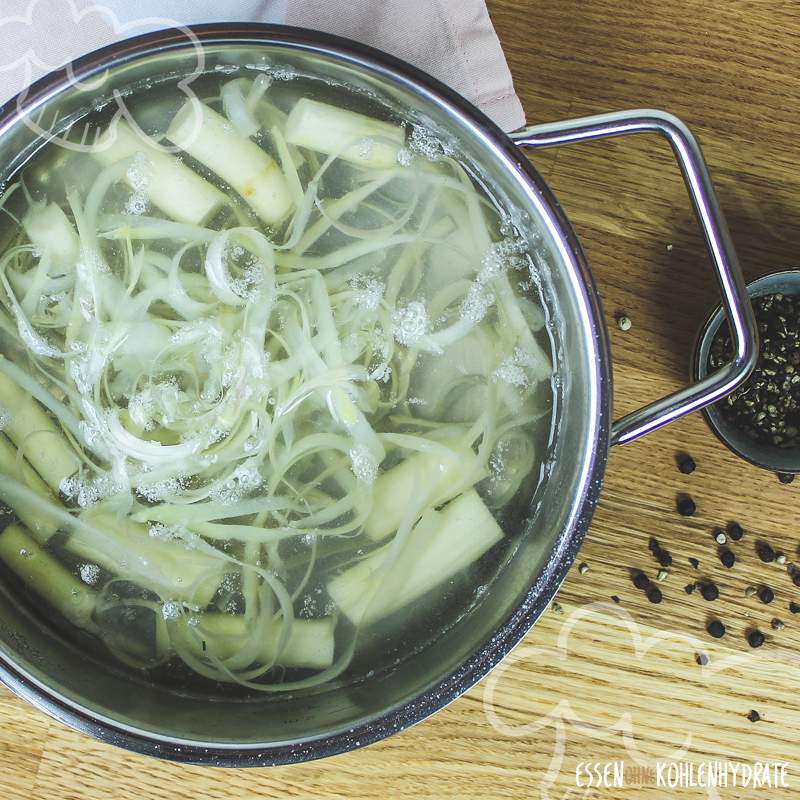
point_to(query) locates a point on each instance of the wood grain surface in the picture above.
(598, 681)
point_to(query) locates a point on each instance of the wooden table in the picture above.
(597, 682)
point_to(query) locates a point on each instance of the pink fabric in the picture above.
(453, 40)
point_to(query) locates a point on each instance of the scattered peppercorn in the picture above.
(556, 607)
(709, 591)
(615, 598)
(653, 546)
(778, 624)
(689, 588)
(766, 408)
(686, 464)
(755, 638)
(702, 659)
(583, 568)
(641, 581)
(624, 322)
(694, 562)
(716, 629)
(786, 477)
(662, 575)
(735, 531)
(780, 559)
(766, 595)
(665, 559)
(750, 591)
(794, 608)
(754, 716)
(796, 579)
(686, 506)
(654, 594)
(765, 552)
(727, 558)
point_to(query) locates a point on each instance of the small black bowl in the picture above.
(771, 457)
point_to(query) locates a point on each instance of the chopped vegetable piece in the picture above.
(441, 544)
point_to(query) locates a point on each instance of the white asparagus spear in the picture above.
(172, 186)
(353, 137)
(42, 573)
(441, 544)
(251, 171)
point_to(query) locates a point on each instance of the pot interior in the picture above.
(391, 683)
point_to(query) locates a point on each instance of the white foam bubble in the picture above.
(89, 573)
(367, 292)
(410, 324)
(244, 479)
(171, 610)
(476, 303)
(364, 466)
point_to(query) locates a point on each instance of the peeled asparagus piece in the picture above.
(42, 573)
(441, 544)
(41, 440)
(178, 191)
(310, 643)
(351, 136)
(427, 479)
(167, 567)
(40, 525)
(253, 173)
(52, 233)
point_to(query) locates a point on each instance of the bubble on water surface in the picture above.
(410, 324)
(364, 466)
(89, 573)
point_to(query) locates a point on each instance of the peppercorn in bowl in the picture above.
(760, 421)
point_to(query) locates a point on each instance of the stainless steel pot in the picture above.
(69, 684)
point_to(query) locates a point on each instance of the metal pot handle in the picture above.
(734, 293)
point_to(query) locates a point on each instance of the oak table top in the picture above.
(599, 681)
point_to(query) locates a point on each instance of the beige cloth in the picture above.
(453, 40)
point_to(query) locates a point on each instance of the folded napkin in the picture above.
(453, 40)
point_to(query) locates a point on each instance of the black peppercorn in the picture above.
(665, 559)
(686, 464)
(786, 477)
(689, 588)
(766, 595)
(727, 558)
(765, 552)
(796, 579)
(640, 580)
(654, 594)
(686, 506)
(615, 598)
(755, 638)
(694, 562)
(716, 629)
(767, 406)
(709, 591)
(794, 607)
(653, 546)
(753, 716)
(735, 531)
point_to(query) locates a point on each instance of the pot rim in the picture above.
(509, 631)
